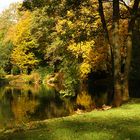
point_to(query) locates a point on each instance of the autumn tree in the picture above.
(23, 55)
(65, 30)
(8, 18)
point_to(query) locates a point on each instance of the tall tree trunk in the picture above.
(117, 56)
(106, 34)
(131, 24)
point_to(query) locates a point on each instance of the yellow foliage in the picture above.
(21, 30)
(23, 60)
(22, 55)
(85, 68)
(70, 13)
(85, 100)
(94, 58)
(83, 49)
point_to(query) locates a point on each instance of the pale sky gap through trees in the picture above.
(5, 4)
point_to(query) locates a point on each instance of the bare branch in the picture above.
(124, 4)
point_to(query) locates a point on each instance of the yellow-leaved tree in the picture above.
(23, 55)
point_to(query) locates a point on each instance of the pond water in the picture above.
(22, 104)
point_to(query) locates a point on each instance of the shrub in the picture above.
(2, 73)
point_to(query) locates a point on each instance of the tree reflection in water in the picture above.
(22, 104)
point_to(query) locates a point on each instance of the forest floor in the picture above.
(122, 123)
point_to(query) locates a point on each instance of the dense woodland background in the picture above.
(79, 41)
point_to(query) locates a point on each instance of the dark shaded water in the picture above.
(19, 105)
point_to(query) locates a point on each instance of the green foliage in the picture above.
(8, 18)
(5, 55)
(2, 73)
(58, 36)
(43, 71)
(53, 33)
(31, 4)
(71, 78)
(62, 37)
(15, 70)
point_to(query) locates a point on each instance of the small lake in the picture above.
(22, 104)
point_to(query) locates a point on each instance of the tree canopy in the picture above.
(76, 38)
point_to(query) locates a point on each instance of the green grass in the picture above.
(121, 123)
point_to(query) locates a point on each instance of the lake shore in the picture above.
(116, 124)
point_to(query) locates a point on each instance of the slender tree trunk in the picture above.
(101, 13)
(131, 24)
(117, 56)
(106, 34)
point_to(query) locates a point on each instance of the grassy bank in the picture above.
(115, 124)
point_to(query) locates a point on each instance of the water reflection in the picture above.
(26, 103)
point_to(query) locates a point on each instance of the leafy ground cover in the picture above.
(121, 123)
